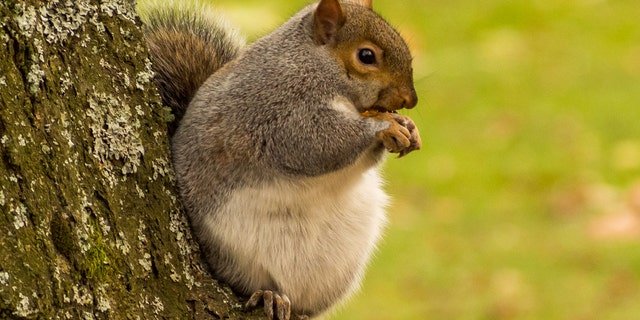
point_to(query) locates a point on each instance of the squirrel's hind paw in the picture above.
(276, 306)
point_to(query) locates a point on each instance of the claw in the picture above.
(254, 299)
(276, 306)
(267, 298)
(283, 307)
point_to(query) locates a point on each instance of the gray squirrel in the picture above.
(278, 145)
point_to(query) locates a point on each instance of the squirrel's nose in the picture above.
(409, 98)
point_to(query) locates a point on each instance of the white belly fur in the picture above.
(310, 239)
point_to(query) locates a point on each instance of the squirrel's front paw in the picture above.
(414, 139)
(276, 306)
(401, 136)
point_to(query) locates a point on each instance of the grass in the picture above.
(524, 202)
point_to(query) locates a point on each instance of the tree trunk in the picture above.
(90, 224)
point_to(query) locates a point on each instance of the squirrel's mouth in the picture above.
(379, 109)
(375, 110)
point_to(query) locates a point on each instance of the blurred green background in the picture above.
(525, 200)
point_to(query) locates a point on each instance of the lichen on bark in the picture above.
(90, 225)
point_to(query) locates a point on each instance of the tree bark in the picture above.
(90, 226)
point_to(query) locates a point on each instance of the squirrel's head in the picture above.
(375, 58)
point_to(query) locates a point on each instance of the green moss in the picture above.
(96, 262)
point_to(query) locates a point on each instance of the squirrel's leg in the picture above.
(276, 305)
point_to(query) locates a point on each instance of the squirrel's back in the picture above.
(188, 43)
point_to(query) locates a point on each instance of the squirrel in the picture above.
(278, 145)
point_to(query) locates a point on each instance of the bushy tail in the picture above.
(188, 43)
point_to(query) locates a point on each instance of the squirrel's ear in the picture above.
(327, 20)
(364, 3)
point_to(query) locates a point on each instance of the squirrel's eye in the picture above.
(367, 56)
